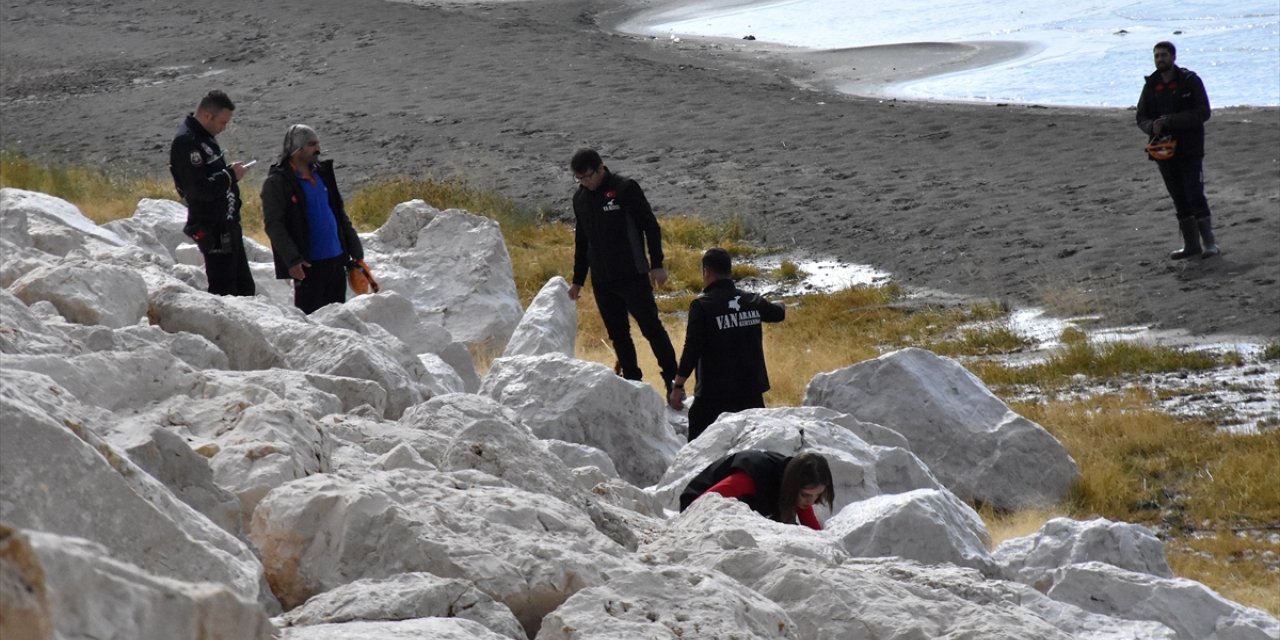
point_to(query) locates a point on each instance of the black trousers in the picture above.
(705, 410)
(1184, 178)
(326, 282)
(634, 296)
(226, 265)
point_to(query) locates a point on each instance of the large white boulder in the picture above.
(1060, 542)
(65, 587)
(970, 439)
(27, 333)
(527, 550)
(929, 526)
(115, 380)
(161, 220)
(53, 225)
(402, 227)
(1191, 609)
(549, 325)
(239, 326)
(585, 402)
(415, 629)
(458, 274)
(668, 602)
(61, 478)
(396, 314)
(87, 292)
(858, 469)
(406, 596)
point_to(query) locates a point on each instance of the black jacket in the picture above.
(284, 212)
(614, 225)
(724, 341)
(765, 469)
(1184, 105)
(202, 178)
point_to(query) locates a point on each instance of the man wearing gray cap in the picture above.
(312, 238)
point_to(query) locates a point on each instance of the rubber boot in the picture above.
(1205, 226)
(1190, 239)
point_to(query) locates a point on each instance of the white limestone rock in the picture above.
(402, 456)
(27, 333)
(668, 602)
(587, 403)
(87, 292)
(402, 227)
(576, 455)
(159, 219)
(416, 629)
(930, 526)
(830, 596)
(1191, 609)
(406, 596)
(396, 314)
(189, 254)
(316, 394)
(859, 470)
(241, 327)
(970, 439)
(81, 591)
(53, 225)
(549, 325)
(469, 289)
(114, 380)
(529, 551)
(91, 490)
(1060, 542)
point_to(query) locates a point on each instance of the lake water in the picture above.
(1086, 53)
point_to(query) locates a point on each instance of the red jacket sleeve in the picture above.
(737, 484)
(807, 518)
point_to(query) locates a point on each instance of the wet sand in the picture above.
(1018, 203)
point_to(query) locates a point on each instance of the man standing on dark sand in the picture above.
(312, 239)
(211, 189)
(614, 226)
(724, 343)
(1174, 107)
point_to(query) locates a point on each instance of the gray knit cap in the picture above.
(297, 137)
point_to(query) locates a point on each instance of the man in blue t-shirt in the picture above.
(312, 238)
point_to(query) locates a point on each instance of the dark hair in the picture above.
(1165, 44)
(718, 262)
(585, 160)
(805, 469)
(215, 101)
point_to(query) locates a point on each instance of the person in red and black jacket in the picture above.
(312, 239)
(778, 487)
(1174, 103)
(613, 226)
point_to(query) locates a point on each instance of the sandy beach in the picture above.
(1019, 203)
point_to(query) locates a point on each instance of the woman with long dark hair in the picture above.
(779, 487)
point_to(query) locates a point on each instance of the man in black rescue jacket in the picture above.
(614, 225)
(210, 187)
(724, 343)
(312, 239)
(1174, 103)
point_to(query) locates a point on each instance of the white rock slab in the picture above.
(416, 629)
(396, 313)
(400, 231)
(929, 526)
(27, 333)
(406, 596)
(157, 218)
(1188, 607)
(859, 470)
(1062, 541)
(240, 327)
(669, 602)
(549, 325)
(91, 490)
(970, 439)
(587, 403)
(87, 292)
(81, 591)
(53, 224)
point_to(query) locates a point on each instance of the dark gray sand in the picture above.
(1022, 204)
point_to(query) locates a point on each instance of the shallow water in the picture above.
(1085, 54)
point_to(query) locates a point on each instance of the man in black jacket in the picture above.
(614, 226)
(1174, 104)
(211, 189)
(724, 343)
(312, 239)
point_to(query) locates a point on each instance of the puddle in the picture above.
(1241, 398)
